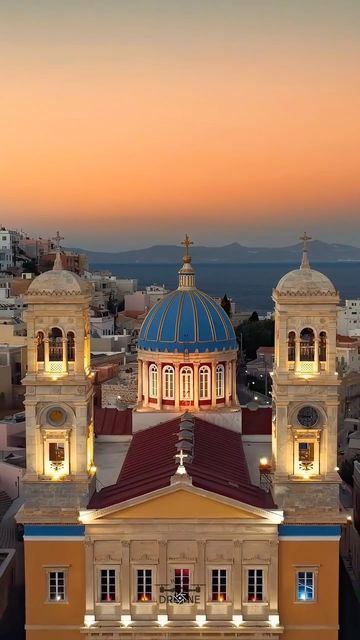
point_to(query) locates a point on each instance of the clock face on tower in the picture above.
(308, 417)
(56, 416)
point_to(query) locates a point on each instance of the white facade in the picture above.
(8, 242)
(348, 318)
(102, 324)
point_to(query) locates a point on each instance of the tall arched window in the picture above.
(55, 345)
(71, 346)
(153, 381)
(40, 346)
(291, 346)
(169, 375)
(307, 345)
(204, 383)
(322, 346)
(186, 383)
(220, 381)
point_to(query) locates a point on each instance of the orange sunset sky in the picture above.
(126, 123)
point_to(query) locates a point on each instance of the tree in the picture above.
(346, 472)
(255, 334)
(254, 317)
(226, 305)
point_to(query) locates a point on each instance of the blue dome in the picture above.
(187, 320)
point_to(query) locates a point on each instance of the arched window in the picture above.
(153, 381)
(307, 345)
(322, 346)
(291, 346)
(40, 346)
(169, 375)
(204, 383)
(186, 383)
(55, 345)
(220, 381)
(71, 346)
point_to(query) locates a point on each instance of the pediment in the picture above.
(182, 503)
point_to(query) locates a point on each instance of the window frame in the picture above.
(136, 581)
(210, 592)
(204, 369)
(264, 569)
(313, 569)
(56, 569)
(186, 371)
(153, 381)
(107, 567)
(168, 382)
(220, 381)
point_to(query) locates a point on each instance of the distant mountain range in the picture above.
(234, 253)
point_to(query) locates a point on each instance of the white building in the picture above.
(348, 318)
(102, 324)
(347, 354)
(9, 240)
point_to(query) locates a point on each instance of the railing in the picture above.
(55, 353)
(307, 352)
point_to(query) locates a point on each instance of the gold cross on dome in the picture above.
(305, 238)
(181, 457)
(186, 243)
(57, 239)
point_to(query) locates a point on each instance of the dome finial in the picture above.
(57, 262)
(186, 273)
(305, 258)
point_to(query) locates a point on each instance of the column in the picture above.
(177, 387)
(145, 369)
(237, 578)
(140, 381)
(159, 387)
(89, 577)
(200, 576)
(228, 384)
(162, 577)
(64, 354)
(316, 355)
(297, 353)
(234, 389)
(46, 354)
(196, 387)
(273, 577)
(125, 577)
(213, 385)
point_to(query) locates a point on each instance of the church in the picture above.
(188, 542)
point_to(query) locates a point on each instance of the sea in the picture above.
(249, 285)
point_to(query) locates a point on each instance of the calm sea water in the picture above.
(250, 285)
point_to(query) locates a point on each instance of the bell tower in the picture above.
(305, 392)
(59, 395)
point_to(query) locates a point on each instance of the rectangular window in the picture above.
(144, 585)
(56, 451)
(305, 586)
(107, 585)
(255, 585)
(182, 580)
(218, 585)
(56, 586)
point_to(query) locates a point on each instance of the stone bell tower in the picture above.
(59, 395)
(305, 392)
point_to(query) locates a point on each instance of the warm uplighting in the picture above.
(274, 620)
(237, 619)
(263, 462)
(200, 620)
(126, 620)
(92, 469)
(144, 598)
(162, 620)
(337, 469)
(349, 518)
(89, 619)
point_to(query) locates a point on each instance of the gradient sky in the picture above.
(128, 122)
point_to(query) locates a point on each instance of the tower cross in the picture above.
(186, 243)
(305, 238)
(57, 239)
(181, 457)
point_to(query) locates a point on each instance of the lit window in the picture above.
(220, 381)
(305, 586)
(182, 581)
(186, 383)
(56, 586)
(144, 585)
(153, 381)
(218, 584)
(204, 380)
(255, 590)
(107, 585)
(169, 383)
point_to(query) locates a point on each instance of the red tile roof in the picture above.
(346, 339)
(219, 465)
(112, 422)
(256, 422)
(265, 349)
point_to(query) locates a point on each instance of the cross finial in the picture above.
(186, 243)
(57, 239)
(181, 471)
(305, 260)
